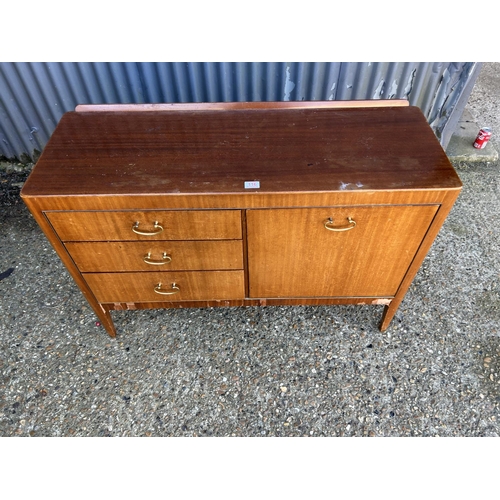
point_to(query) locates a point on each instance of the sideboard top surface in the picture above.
(216, 152)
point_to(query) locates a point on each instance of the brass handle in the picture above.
(329, 222)
(157, 226)
(175, 289)
(165, 259)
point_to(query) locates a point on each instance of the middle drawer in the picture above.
(156, 255)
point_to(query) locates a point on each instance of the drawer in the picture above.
(125, 225)
(191, 285)
(156, 255)
(292, 254)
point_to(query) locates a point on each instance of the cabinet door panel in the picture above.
(292, 254)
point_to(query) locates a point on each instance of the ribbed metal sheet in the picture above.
(34, 96)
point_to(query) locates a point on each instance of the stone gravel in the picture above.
(269, 371)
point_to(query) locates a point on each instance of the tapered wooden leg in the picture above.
(441, 215)
(106, 321)
(388, 314)
(101, 312)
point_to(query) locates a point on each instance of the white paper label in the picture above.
(252, 184)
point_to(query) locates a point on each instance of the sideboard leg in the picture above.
(106, 321)
(388, 314)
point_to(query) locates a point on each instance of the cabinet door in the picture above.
(333, 252)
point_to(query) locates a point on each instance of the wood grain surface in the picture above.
(286, 150)
(129, 256)
(176, 225)
(292, 254)
(194, 285)
(224, 106)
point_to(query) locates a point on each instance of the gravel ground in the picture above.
(273, 371)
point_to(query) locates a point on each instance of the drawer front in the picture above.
(191, 285)
(126, 226)
(292, 254)
(157, 255)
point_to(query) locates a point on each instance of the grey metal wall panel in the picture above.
(34, 96)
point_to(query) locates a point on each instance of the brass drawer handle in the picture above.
(165, 259)
(157, 226)
(175, 289)
(329, 222)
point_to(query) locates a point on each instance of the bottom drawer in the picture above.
(158, 286)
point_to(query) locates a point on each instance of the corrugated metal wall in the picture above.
(34, 96)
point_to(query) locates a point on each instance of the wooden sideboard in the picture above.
(318, 203)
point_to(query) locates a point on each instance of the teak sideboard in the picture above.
(201, 205)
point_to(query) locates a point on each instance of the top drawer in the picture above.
(147, 225)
